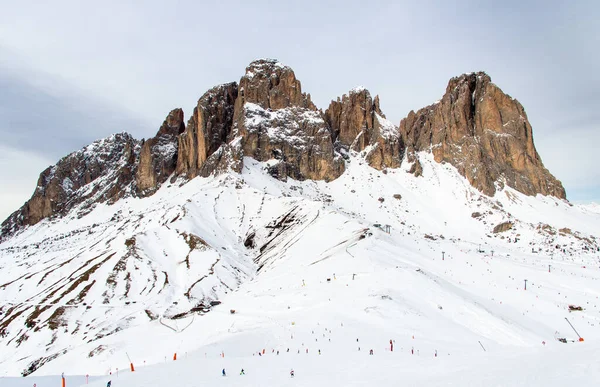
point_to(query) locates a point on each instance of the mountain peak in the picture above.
(485, 134)
(265, 67)
(468, 80)
(272, 85)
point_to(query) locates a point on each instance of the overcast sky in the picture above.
(75, 71)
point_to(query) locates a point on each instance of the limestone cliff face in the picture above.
(357, 122)
(274, 120)
(484, 133)
(158, 156)
(207, 129)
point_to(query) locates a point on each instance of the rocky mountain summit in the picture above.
(475, 127)
(484, 133)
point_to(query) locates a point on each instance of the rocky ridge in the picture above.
(475, 127)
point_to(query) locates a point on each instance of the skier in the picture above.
(292, 373)
(319, 351)
(223, 372)
(435, 353)
(109, 383)
(242, 372)
(371, 352)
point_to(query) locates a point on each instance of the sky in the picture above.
(72, 72)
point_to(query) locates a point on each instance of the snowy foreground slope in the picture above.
(305, 267)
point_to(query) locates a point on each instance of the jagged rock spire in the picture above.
(158, 156)
(357, 122)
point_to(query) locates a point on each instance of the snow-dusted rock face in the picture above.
(297, 138)
(101, 172)
(358, 123)
(105, 171)
(275, 120)
(485, 134)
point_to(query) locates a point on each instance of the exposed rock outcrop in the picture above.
(227, 157)
(158, 157)
(297, 138)
(502, 227)
(101, 172)
(207, 129)
(275, 120)
(351, 118)
(358, 123)
(271, 85)
(484, 133)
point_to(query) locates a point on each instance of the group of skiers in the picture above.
(242, 372)
(371, 352)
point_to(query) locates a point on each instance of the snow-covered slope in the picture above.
(305, 266)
